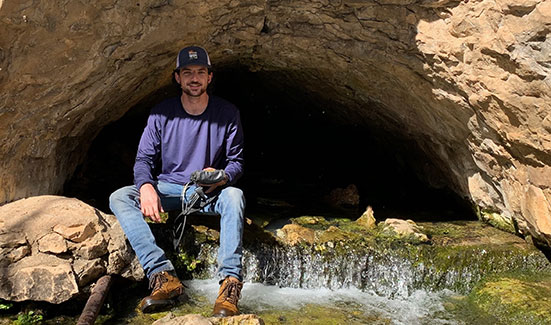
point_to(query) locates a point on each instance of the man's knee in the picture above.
(124, 195)
(234, 195)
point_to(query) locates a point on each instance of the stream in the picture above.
(342, 306)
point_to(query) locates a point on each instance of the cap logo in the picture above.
(192, 55)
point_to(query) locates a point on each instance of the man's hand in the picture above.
(212, 187)
(150, 202)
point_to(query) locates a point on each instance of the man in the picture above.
(192, 132)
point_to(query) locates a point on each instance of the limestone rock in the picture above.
(246, 319)
(94, 247)
(52, 243)
(293, 234)
(12, 255)
(30, 245)
(122, 259)
(13, 247)
(87, 271)
(468, 82)
(40, 277)
(190, 319)
(196, 319)
(405, 229)
(367, 219)
(76, 233)
(12, 239)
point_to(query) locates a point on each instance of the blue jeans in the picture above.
(125, 204)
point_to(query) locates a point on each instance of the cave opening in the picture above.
(300, 149)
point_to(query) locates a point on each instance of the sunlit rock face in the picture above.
(467, 81)
(52, 248)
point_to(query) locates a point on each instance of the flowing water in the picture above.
(394, 269)
(342, 306)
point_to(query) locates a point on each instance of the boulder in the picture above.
(407, 229)
(53, 246)
(293, 234)
(40, 277)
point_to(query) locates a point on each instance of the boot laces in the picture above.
(157, 280)
(232, 292)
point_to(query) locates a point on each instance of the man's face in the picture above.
(194, 80)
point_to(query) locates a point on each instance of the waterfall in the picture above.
(389, 271)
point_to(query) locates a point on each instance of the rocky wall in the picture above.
(468, 81)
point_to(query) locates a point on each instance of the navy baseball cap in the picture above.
(192, 55)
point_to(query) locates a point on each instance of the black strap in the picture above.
(196, 203)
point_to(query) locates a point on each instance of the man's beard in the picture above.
(200, 92)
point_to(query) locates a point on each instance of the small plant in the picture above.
(4, 305)
(189, 262)
(28, 318)
(164, 217)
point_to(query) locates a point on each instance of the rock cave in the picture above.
(467, 83)
(300, 147)
(433, 109)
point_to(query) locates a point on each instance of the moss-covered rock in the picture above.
(515, 298)
(335, 234)
(404, 229)
(496, 219)
(367, 219)
(323, 315)
(293, 234)
(314, 222)
(342, 253)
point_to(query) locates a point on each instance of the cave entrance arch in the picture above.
(300, 147)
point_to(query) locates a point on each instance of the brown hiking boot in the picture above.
(166, 287)
(228, 296)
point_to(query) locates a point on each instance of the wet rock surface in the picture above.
(53, 247)
(467, 257)
(337, 253)
(514, 298)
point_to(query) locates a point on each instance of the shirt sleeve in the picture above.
(149, 151)
(234, 150)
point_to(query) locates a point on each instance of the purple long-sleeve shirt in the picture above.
(186, 143)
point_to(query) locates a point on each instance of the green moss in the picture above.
(495, 219)
(390, 235)
(323, 315)
(515, 298)
(352, 226)
(333, 234)
(314, 222)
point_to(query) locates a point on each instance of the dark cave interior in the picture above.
(296, 153)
